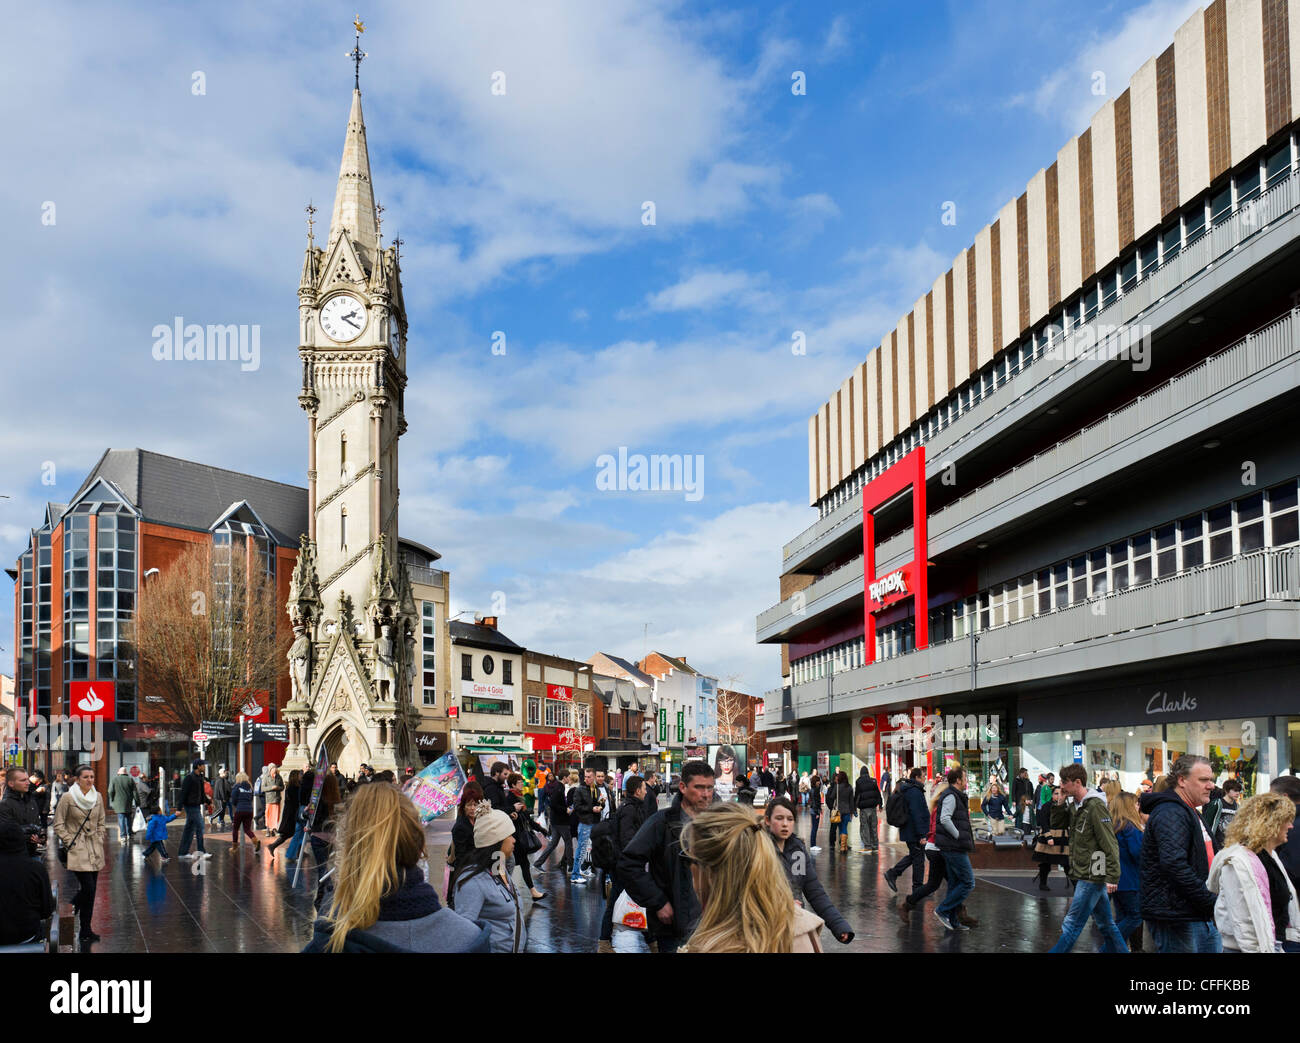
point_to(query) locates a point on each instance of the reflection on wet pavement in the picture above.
(239, 901)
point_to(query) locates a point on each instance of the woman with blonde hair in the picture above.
(380, 901)
(1256, 909)
(746, 902)
(1126, 821)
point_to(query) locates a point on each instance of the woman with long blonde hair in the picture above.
(1126, 821)
(746, 902)
(380, 900)
(1256, 909)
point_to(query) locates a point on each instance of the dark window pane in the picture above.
(1098, 560)
(1250, 508)
(1220, 517)
(1058, 574)
(1280, 497)
(1221, 204)
(1141, 571)
(1191, 527)
(1194, 221)
(1248, 184)
(1278, 164)
(1142, 544)
(1044, 601)
(1285, 529)
(1193, 555)
(1252, 537)
(1165, 563)
(1221, 546)
(1165, 537)
(1079, 589)
(1118, 552)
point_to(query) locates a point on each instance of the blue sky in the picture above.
(522, 213)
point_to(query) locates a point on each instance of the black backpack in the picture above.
(896, 813)
(604, 854)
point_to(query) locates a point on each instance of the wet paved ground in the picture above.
(237, 901)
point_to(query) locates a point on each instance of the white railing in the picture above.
(1153, 286)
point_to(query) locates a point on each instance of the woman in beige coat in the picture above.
(79, 825)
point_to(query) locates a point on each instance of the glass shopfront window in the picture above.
(1127, 754)
(1041, 752)
(1232, 746)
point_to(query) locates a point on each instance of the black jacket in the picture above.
(839, 797)
(289, 811)
(556, 810)
(802, 874)
(221, 789)
(25, 898)
(918, 815)
(628, 819)
(866, 793)
(1289, 853)
(965, 839)
(192, 792)
(584, 804)
(1174, 866)
(22, 810)
(498, 796)
(814, 799)
(658, 844)
(1021, 788)
(241, 798)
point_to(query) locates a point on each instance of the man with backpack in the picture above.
(866, 798)
(906, 811)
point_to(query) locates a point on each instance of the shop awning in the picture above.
(792, 737)
(496, 749)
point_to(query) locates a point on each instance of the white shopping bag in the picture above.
(628, 914)
(138, 823)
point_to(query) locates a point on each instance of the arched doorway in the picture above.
(345, 744)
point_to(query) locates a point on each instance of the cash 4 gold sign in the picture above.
(908, 580)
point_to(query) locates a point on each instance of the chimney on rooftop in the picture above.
(488, 621)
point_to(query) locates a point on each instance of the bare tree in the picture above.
(210, 631)
(733, 712)
(572, 738)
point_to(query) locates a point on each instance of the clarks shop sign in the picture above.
(1263, 692)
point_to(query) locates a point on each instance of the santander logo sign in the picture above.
(93, 700)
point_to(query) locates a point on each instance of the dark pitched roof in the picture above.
(190, 495)
(633, 672)
(677, 664)
(479, 636)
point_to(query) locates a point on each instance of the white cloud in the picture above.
(701, 290)
(1067, 93)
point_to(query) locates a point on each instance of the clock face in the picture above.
(343, 318)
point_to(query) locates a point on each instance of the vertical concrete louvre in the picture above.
(871, 395)
(895, 424)
(1167, 131)
(1293, 38)
(1277, 67)
(1192, 108)
(814, 486)
(912, 406)
(880, 398)
(1006, 312)
(1087, 226)
(860, 451)
(1105, 186)
(1068, 210)
(1144, 149)
(1036, 249)
(1123, 171)
(833, 441)
(1216, 86)
(1245, 24)
(949, 339)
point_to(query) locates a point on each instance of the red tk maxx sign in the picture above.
(909, 580)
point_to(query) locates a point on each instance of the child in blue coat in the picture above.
(156, 834)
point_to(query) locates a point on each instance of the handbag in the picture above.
(530, 843)
(835, 817)
(62, 850)
(628, 914)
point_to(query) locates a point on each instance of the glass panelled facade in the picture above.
(429, 632)
(115, 581)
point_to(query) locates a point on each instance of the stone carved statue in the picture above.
(385, 664)
(299, 657)
(410, 664)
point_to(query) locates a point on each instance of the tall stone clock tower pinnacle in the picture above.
(354, 618)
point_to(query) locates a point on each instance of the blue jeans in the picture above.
(843, 829)
(961, 881)
(123, 827)
(295, 845)
(812, 837)
(1174, 936)
(193, 827)
(584, 841)
(1090, 899)
(1128, 910)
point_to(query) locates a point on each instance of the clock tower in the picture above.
(355, 621)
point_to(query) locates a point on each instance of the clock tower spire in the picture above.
(351, 604)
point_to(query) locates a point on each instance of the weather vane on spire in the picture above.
(311, 221)
(357, 54)
(379, 223)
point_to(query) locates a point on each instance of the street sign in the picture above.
(199, 738)
(13, 749)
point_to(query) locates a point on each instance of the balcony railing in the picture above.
(1264, 576)
(1252, 355)
(1155, 285)
(429, 577)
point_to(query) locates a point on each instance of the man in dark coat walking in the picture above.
(912, 834)
(866, 798)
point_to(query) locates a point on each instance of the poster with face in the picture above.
(727, 761)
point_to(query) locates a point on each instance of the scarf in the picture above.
(85, 801)
(412, 900)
